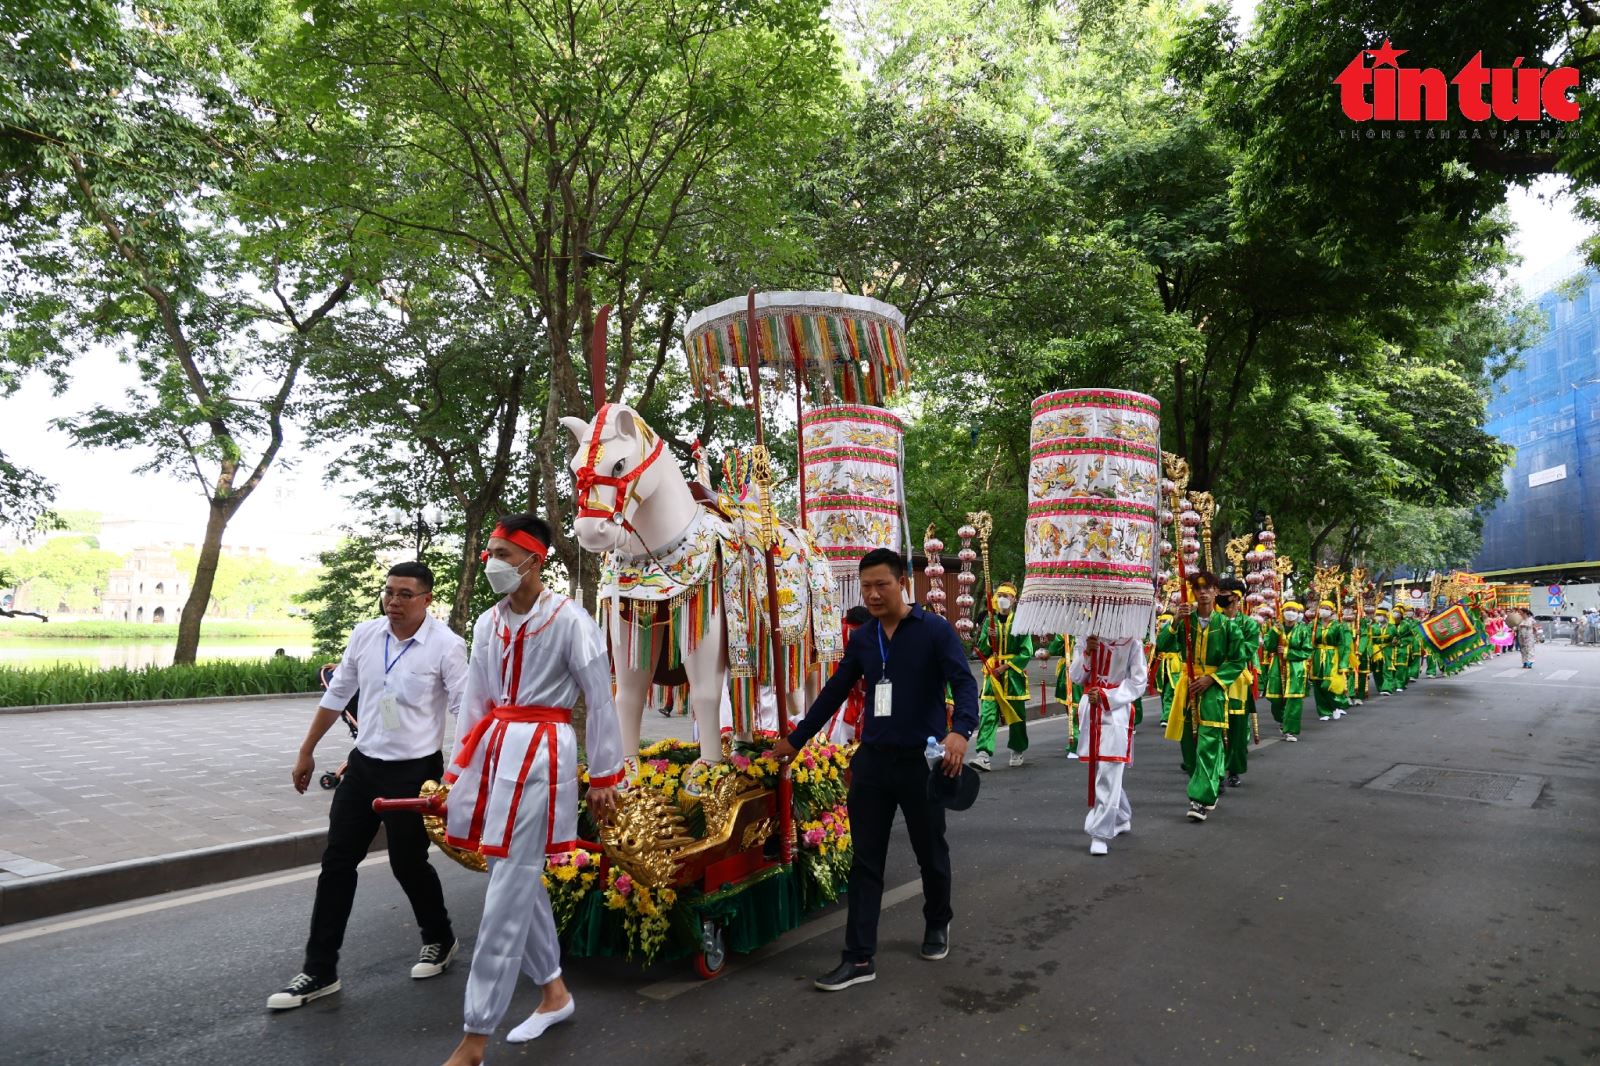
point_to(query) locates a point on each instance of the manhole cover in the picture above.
(1480, 786)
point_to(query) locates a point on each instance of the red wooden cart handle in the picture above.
(420, 804)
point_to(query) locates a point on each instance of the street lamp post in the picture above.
(423, 524)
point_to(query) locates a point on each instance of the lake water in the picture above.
(104, 654)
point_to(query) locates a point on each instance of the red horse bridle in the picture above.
(589, 479)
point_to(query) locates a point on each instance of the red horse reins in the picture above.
(589, 479)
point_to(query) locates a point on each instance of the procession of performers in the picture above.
(902, 691)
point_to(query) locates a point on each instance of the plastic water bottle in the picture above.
(934, 752)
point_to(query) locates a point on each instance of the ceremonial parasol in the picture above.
(845, 348)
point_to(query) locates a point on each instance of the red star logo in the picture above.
(1386, 55)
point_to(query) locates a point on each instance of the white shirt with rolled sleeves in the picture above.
(1119, 670)
(424, 677)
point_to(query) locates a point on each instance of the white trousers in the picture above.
(518, 929)
(1111, 813)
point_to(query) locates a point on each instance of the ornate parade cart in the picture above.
(720, 849)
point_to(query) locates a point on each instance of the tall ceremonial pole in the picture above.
(1177, 471)
(771, 544)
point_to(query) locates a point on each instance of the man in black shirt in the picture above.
(907, 658)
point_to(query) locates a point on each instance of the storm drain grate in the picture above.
(1480, 786)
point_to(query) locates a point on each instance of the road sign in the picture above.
(1554, 590)
(1555, 601)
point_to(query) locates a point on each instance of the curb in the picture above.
(51, 895)
(188, 701)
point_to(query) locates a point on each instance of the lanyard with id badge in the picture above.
(883, 691)
(388, 705)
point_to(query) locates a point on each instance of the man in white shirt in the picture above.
(514, 791)
(410, 671)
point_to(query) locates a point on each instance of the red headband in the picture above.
(526, 541)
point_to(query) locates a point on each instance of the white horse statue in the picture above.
(683, 583)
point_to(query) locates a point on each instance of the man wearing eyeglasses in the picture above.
(410, 670)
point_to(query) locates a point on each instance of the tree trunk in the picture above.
(461, 609)
(205, 577)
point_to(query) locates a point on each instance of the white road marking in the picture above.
(665, 990)
(133, 910)
(1516, 672)
(1561, 675)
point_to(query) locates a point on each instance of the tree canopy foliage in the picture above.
(393, 221)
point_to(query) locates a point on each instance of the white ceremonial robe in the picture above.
(515, 791)
(1105, 734)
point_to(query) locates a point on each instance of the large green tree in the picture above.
(125, 134)
(537, 136)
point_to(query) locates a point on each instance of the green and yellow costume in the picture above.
(1005, 656)
(1289, 648)
(1241, 699)
(1330, 655)
(1218, 652)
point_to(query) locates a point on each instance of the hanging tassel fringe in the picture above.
(1043, 612)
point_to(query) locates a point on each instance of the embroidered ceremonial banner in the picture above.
(850, 464)
(1449, 627)
(1093, 484)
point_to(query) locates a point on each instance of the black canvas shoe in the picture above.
(1197, 812)
(847, 974)
(936, 943)
(434, 959)
(1233, 781)
(302, 990)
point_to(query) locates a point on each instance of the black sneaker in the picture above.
(1233, 781)
(434, 959)
(848, 973)
(936, 943)
(1197, 812)
(302, 990)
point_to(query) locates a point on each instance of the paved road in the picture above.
(1314, 918)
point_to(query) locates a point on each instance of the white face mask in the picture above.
(1291, 617)
(1003, 603)
(502, 576)
(1324, 613)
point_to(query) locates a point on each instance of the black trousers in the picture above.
(352, 825)
(883, 779)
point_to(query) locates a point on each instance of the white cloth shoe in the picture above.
(981, 762)
(1015, 760)
(1098, 847)
(533, 1027)
(1072, 754)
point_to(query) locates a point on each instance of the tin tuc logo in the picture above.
(1388, 92)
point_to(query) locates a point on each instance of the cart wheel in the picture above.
(330, 781)
(713, 953)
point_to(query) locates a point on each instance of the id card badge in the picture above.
(389, 710)
(882, 699)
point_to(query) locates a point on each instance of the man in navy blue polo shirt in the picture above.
(907, 658)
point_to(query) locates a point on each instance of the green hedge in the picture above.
(80, 684)
(33, 629)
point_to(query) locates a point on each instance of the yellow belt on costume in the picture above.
(1177, 722)
(1240, 691)
(1335, 679)
(1008, 714)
